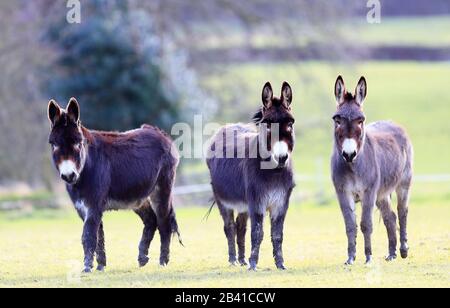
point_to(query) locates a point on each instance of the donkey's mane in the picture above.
(349, 96)
(122, 134)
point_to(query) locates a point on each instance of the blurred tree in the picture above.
(22, 114)
(112, 63)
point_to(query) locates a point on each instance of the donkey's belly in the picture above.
(114, 205)
(239, 207)
(276, 201)
(273, 201)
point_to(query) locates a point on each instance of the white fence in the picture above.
(204, 188)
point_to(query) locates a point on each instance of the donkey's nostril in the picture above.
(349, 157)
(69, 178)
(282, 159)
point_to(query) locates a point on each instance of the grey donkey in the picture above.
(246, 184)
(368, 164)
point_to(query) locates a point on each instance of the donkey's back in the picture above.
(390, 130)
(142, 149)
(137, 159)
(226, 143)
(394, 153)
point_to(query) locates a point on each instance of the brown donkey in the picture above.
(369, 163)
(106, 171)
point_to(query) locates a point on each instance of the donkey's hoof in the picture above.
(368, 260)
(252, 267)
(391, 258)
(281, 267)
(404, 253)
(350, 261)
(87, 270)
(243, 262)
(101, 268)
(233, 261)
(143, 261)
(163, 261)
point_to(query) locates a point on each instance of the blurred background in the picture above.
(163, 61)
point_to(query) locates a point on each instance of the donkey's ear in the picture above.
(53, 111)
(339, 90)
(73, 110)
(267, 95)
(286, 94)
(361, 91)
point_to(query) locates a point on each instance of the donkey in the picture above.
(256, 177)
(369, 163)
(114, 171)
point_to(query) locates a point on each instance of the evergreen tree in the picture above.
(111, 64)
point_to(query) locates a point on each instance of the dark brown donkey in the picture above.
(369, 163)
(113, 171)
(251, 173)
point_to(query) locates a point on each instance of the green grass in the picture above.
(45, 251)
(35, 196)
(402, 31)
(392, 31)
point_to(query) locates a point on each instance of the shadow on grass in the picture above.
(147, 277)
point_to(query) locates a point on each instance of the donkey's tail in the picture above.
(174, 226)
(205, 218)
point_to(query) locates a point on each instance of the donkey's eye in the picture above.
(338, 123)
(55, 148)
(77, 146)
(290, 127)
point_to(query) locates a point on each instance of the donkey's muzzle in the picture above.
(70, 178)
(349, 157)
(282, 160)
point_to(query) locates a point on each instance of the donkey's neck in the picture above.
(88, 136)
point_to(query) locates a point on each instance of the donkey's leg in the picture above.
(162, 205)
(165, 230)
(402, 207)
(100, 250)
(90, 237)
(390, 221)
(277, 219)
(148, 217)
(347, 205)
(241, 223)
(257, 223)
(368, 205)
(230, 230)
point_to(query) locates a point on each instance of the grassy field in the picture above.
(392, 31)
(44, 250)
(401, 31)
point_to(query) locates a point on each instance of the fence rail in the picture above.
(204, 188)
